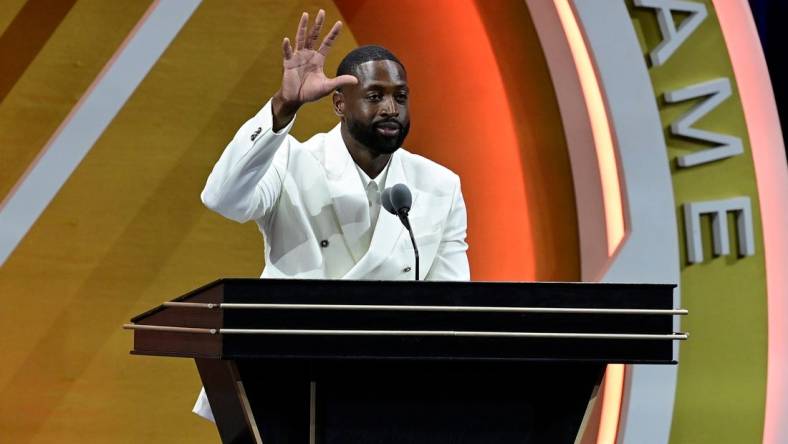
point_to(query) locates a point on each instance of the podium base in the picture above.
(388, 402)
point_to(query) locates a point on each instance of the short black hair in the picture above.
(363, 54)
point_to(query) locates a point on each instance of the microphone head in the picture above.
(385, 200)
(400, 197)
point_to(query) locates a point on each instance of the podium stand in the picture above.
(325, 362)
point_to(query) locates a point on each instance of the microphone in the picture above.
(397, 200)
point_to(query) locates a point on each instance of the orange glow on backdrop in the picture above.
(611, 404)
(600, 126)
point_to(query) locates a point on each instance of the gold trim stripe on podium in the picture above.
(441, 308)
(680, 336)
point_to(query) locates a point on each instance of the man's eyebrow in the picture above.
(383, 85)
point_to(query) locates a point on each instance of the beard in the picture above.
(368, 136)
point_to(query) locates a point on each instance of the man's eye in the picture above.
(402, 97)
(373, 97)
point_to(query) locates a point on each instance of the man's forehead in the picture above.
(378, 71)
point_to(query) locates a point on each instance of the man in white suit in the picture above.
(318, 203)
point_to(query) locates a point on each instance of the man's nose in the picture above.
(389, 107)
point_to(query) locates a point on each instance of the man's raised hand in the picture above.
(303, 79)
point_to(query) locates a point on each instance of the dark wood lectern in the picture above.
(325, 362)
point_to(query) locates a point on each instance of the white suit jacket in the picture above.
(309, 202)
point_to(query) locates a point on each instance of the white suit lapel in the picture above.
(388, 229)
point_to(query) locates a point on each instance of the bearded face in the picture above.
(376, 109)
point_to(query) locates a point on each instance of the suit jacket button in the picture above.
(323, 243)
(256, 133)
(406, 269)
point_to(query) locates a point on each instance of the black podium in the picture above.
(325, 362)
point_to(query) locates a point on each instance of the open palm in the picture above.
(303, 79)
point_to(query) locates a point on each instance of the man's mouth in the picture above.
(388, 129)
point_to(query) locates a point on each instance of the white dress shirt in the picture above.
(373, 189)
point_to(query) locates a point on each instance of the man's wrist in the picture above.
(282, 111)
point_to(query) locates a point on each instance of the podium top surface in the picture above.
(449, 293)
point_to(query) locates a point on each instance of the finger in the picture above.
(343, 80)
(287, 50)
(328, 42)
(315, 32)
(301, 34)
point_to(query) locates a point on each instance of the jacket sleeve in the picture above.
(451, 260)
(246, 181)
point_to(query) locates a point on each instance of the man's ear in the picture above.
(339, 103)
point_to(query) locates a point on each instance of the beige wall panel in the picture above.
(128, 231)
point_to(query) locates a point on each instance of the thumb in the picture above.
(340, 81)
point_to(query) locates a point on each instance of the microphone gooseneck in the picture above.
(397, 201)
